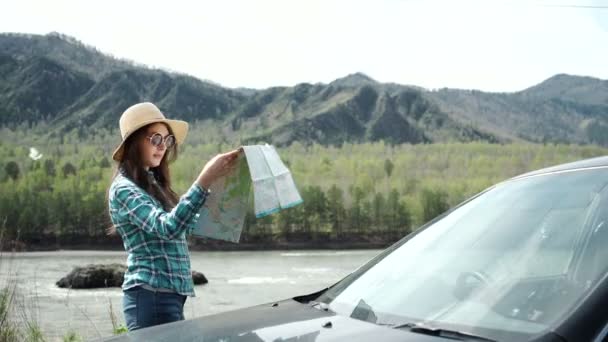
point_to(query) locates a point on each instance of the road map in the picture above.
(223, 214)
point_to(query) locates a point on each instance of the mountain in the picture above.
(564, 108)
(102, 103)
(343, 111)
(571, 88)
(57, 80)
(37, 88)
(64, 49)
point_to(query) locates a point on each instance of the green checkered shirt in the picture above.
(154, 239)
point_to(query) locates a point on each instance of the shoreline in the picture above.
(195, 246)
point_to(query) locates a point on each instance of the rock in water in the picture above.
(198, 278)
(100, 276)
(94, 276)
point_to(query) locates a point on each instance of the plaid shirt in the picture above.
(154, 239)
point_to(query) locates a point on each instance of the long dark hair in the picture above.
(131, 166)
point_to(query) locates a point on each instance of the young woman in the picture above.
(152, 221)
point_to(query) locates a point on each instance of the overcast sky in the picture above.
(487, 45)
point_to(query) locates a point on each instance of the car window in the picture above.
(558, 234)
(513, 260)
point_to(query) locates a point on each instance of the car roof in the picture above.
(581, 164)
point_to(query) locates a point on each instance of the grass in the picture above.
(116, 328)
(26, 327)
(18, 321)
(72, 336)
(8, 331)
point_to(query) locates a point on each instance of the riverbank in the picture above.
(199, 245)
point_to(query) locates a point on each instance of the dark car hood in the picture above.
(286, 320)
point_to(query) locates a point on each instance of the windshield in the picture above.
(513, 260)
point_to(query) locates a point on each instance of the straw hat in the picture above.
(142, 114)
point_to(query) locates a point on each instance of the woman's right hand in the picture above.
(217, 167)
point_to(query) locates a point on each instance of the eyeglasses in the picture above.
(157, 139)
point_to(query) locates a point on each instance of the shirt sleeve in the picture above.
(193, 223)
(142, 212)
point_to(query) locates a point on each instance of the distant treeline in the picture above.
(368, 193)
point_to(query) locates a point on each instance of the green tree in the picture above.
(315, 210)
(336, 211)
(434, 203)
(357, 214)
(388, 167)
(397, 216)
(379, 210)
(12, 170)
(49, 167)
(104, 163)
(68, 169)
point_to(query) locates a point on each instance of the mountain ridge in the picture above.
(69, 85)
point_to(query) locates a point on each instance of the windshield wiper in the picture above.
(439, 332)
(320, 306)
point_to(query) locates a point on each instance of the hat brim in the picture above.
(179, 129)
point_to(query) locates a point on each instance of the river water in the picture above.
(236, 280)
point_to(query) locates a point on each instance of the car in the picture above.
(525, 260)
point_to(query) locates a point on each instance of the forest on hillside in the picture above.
(356, 194)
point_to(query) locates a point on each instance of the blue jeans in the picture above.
(144, 308)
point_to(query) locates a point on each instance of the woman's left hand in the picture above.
(217, 167)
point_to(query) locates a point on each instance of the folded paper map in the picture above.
(223, 214)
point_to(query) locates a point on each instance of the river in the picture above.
(236, 280)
